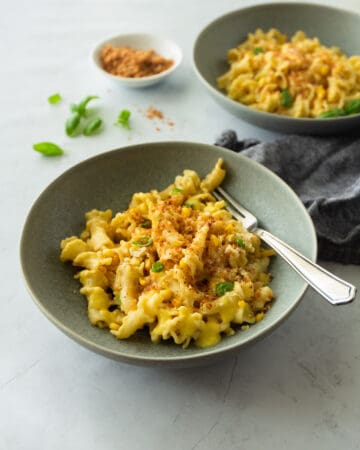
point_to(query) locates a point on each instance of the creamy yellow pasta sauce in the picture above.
(299, 77)
(175, 262)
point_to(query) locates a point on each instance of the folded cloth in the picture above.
(325, 173)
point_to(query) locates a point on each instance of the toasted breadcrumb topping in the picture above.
(133, 63)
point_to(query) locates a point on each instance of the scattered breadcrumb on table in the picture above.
(152, 112)
(155, 114)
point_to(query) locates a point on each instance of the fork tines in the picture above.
(219, 196)
(239, 212)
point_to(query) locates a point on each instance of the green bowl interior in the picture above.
(108, 181)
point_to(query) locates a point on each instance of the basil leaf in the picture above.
(158, 266)
(92, 127)
(74, 108)
(286, 98)
(352, 107)
(81, 107)
(123, 118)
(223, 287)
(55, 98)
(336, 112)
(72, 123)
(48, 149)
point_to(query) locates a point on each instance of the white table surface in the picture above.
(299, 388)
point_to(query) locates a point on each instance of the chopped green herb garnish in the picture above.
(123, 119)
(53, 99)
(143, 241)
(146, 224)
(48, 149)
(223, 287)
(336, 112)
(258, 50)
(286, 98)
(158, 266)
(118, 299)
(176, 191)
(188, 204)
(240, 242)
(92, 127)
(72, 124)
(352, 107)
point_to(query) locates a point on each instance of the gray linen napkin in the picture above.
(325, 173)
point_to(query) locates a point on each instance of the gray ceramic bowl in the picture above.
(108, 181)
(332, 26)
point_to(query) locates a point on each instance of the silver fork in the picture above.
(335, 290)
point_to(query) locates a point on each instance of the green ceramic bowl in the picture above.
(108, 181)
(334, 27)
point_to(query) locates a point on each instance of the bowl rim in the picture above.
(265, 115)
(169, 361)
(98, 46)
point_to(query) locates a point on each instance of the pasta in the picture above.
(175, 262)
(297, 78)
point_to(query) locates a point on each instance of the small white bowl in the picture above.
(142, 41)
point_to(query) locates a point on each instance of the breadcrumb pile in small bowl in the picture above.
(136, 60)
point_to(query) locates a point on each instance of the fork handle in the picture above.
(335, 290)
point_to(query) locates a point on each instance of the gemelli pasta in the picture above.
(175, 262)
(299, 77)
